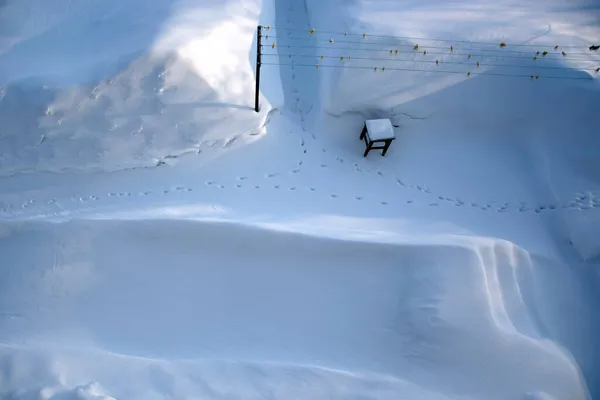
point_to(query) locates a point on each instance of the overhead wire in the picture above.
(469, 73)
(319, 31)
(396, 45)
(471, 63)
(453, 53)
(476, 54)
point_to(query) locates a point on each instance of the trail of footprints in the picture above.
(582, 201)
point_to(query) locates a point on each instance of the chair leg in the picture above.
(368, 149)
(387, 146)
(363, 132)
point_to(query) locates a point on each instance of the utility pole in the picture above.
(258, 62)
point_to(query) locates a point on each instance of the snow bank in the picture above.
(431, 315)
(508, 127)
(113, 86)
(480, 21)
(537, 134)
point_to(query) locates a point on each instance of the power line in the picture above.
(396, 45)
(426, 70)
(319, 31)
(348, 59)
(331, 47)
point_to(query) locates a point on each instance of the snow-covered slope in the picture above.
(273, 260)
(108, 86)
(428, 315)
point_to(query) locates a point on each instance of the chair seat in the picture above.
(380, 129)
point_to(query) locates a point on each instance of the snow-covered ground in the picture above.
(159, 239)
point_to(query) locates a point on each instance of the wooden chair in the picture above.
(377, 131)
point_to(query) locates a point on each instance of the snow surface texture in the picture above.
(274, 261)
(111, 85)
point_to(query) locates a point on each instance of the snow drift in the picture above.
(175, 290)
(122, 85)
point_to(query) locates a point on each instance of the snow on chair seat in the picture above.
(376, 131)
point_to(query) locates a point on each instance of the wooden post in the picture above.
(258, 62)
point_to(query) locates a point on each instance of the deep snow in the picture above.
(159, 239)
